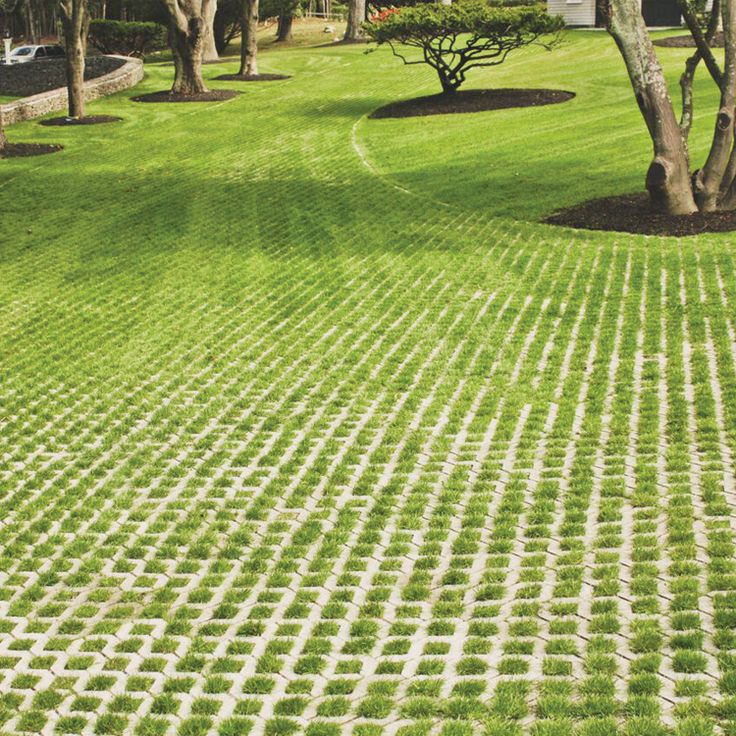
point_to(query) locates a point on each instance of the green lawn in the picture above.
(307, 426)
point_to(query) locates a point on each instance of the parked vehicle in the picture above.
(24, 54)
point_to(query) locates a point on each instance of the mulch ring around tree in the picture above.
(630, 213)
(22, 150)
(214, 95)
(209, 62)
(344, 42)
(88, 120)
(252, 77)
(472, 100)
(687, 42)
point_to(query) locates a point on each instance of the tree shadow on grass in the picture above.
(348, 107)
(143, 213)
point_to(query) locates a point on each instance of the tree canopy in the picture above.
(466, 35)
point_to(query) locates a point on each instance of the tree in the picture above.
(32, 32)
(286, 10)
(672, 189)
(249, 38)
(356, 19)
(285, 24)
(31, 19)
(456, 38)
(209, 52)
(227, 23)
(187, 33)
(75, 24)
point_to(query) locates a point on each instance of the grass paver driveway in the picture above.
(308, 427)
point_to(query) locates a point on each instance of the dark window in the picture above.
(661, 12)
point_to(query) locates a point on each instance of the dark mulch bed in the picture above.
(214, 95)
(21, 150)
(22, 80)
(210, 62)
(252, 77)
(346, 42)
(89, 120)
(686, 41)
(472, 100)
(630, 213)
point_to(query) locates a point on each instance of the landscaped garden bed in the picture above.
(686, 41)
(86, 120)
(633, 214)
(472, 100)
(24, 150)
(252, 77)
(213, 95)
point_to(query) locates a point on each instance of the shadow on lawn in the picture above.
(350, 207)
(349, 107)
(171, 210)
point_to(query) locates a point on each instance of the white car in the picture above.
(23, 54)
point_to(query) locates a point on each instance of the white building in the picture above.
(585, 13)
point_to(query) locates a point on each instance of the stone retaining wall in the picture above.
(35, 106)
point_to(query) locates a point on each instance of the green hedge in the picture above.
(126, 39)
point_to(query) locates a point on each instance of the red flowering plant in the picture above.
(383, 15)
(468, 34)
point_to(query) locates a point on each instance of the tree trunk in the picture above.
(32, 33)
(75, 23)
(223, 34)
(668, 177)
(209, 52)
(448, 86)
(284, 29)
(187, 32)
(686, 89)
(249, 39)
(3, 139)
(356, 18)
(75, 79)
(709, 180)
(187, 51)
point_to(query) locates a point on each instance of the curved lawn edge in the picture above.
(35, 106)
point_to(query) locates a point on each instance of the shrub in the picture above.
(468, 34)
(126, 39)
